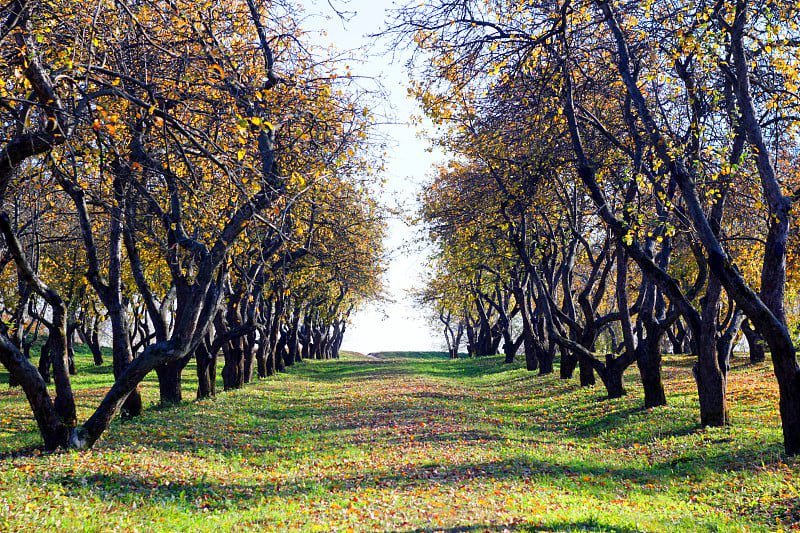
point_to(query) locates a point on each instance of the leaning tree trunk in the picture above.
(54, 431)
(122, 355)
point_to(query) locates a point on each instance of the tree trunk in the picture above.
(280, 352)
(261, 353)
(509, 346)
(648, 360)
(44, 362)
(711, 384)
(340, 326)
(270, 365)
(532, 349)
(54, 432)
(233, 371)
(64, 401)
(91, 338)
(206, 371)
(97, 351)
(169, 382)
(248, 349)
(509, 349)
(546, 360)
(586, 373)
(305, 337)
(70, 355)
(470, 336)
(152, 356)
(711, 380)
(611, 376)
(568, 364)
(725, 343)
(755, 343)
(292, 340)
(274, 338)
(529, 341)
(681, 338)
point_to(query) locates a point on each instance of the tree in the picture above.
(181, 139)
(677, 106)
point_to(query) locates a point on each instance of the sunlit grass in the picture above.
(410, 442)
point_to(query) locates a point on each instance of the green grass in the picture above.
(409, 442)
(412, 355)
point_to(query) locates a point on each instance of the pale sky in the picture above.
(399, 326)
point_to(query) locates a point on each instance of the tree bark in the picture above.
(648, 360)
(169, 382)
(44, 361)
(755, 343)
(612, 375)
(53, 430)
(711, 380)
(206, 371)
(766, 312)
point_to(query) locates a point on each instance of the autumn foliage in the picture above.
(198, 179)
(621, 182)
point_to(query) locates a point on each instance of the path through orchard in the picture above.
(404, 444)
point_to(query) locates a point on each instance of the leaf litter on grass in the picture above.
(417, 444)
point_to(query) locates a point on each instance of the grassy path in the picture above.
(416, 444)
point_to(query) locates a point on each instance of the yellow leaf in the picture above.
(216, 69)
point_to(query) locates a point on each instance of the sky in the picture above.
(398, 325)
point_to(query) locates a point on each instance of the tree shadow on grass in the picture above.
(26, 451)
(527, 527)
(436, 395)
(582, 525)
(123, 485)
(430, 420)
(619, 419)
(202, 494)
